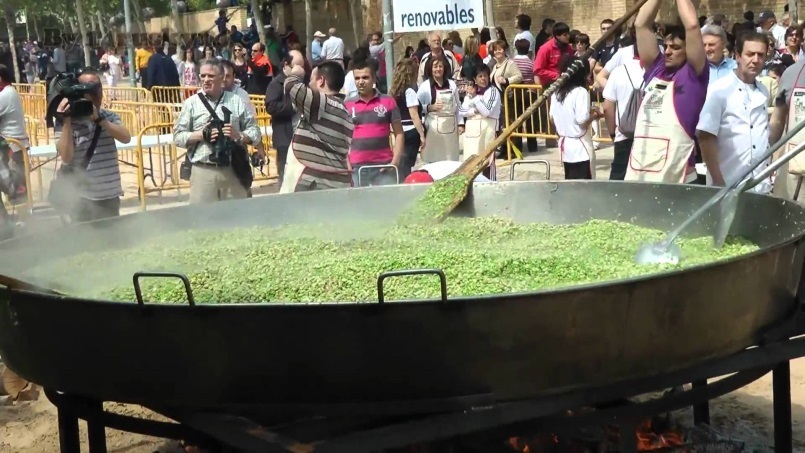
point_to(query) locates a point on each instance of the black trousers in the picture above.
(144, 78)
(410, 153)
(282, 158)
(578, 170)
(620, 162)
(89, 210)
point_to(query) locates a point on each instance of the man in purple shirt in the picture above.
(675, 86)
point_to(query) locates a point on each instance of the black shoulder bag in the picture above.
(241, 164)
(66, 187)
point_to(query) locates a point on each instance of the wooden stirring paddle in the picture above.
(443, 196)
(13, 283)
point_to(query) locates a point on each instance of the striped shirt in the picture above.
(195, 116)
(526, 66)
(323, 136)
(103, 173)
(372, 119)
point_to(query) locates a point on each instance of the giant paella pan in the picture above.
(381, 355)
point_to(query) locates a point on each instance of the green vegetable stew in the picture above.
(341, 263)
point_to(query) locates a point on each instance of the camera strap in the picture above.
(210, 109)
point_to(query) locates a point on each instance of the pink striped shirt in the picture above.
(372, 120)
(526, 66)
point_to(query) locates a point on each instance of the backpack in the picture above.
(627, 122)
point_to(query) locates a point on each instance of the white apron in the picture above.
(661, 149)
(441, 139)
(478, 132)
(785, 180)
(587, 143)
(293, 173)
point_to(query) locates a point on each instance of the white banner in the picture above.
(427, 15)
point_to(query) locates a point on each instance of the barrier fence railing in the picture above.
(172, 95)
(127, 94)
(163, 163)
(30, 88)
(518, 97)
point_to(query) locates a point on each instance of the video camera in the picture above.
(222, 147)
(67, 86)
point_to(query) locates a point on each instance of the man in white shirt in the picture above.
(333, 48)
(620, 86)
(522, 25)
(59, 59)
(733, 127)
(436, 49)
(767, 21)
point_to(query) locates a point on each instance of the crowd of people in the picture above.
(701, 94)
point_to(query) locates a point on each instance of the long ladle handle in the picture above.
(673, 234)
(774, 166)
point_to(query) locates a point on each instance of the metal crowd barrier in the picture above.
(127, 94)
(172, 95)
(30, 88)
(148, 113)
(34, 104)
(518, 97)
(162, 171)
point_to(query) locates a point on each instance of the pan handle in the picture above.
(529, 162)
(138, 292)
(438, 272)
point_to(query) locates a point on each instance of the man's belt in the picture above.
(210, 164)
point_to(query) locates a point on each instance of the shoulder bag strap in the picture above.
(92, 145)
(210, 108)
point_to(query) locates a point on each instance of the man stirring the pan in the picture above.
(676, 86)
(733, 126)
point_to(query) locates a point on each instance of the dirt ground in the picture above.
(746, 415)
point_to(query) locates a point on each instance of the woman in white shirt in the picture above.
(188, 73)
(481, 110)
(438, 96)
(113, 71)
(572, 114)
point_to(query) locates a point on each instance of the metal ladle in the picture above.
(668, 252)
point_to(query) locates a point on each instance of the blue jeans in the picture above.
(373, 176)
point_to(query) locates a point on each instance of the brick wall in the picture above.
(585, 15)
(199, 22)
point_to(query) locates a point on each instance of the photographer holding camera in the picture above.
(88, 150)
(214, 127)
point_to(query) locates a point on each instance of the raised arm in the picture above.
(306, 101)
(693, 36)
(644, 30)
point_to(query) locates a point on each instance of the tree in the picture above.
(355, 11)
(308, 27)
(82, 25)
(258, 22)
(9, 14)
